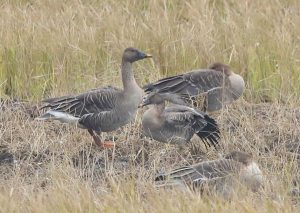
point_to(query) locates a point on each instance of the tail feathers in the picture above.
(59, 116)
(210, 134)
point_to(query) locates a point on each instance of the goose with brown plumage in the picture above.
(101, 110)
(222, 175)
(219, 84)
(176, 124)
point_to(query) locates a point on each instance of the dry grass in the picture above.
(54, 47)
(56, 167)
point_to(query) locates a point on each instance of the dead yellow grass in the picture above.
(52, 167)
(54, 47)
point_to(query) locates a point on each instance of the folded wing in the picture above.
(201, 173)
(191, 83)
(93, 101)
(204, 126)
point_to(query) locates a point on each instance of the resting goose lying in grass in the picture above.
(222, 175)
(219, 84)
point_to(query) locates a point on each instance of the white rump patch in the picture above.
(59, 116)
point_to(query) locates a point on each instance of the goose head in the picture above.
(250, 174)
(152, 98)
(241, 157)
(217, 66)
(158, 98)
(131, 55)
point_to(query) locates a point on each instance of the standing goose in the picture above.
(176, 124)
(218, 84)
(101, 110)
(220, 175)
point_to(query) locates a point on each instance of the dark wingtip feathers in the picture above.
(210, 134)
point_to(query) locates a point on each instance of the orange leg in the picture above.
(97, 140)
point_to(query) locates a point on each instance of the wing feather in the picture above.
(192, 83)
(202, 172)
(93, 101)
(186, 117)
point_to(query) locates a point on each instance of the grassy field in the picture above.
(53, 47)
